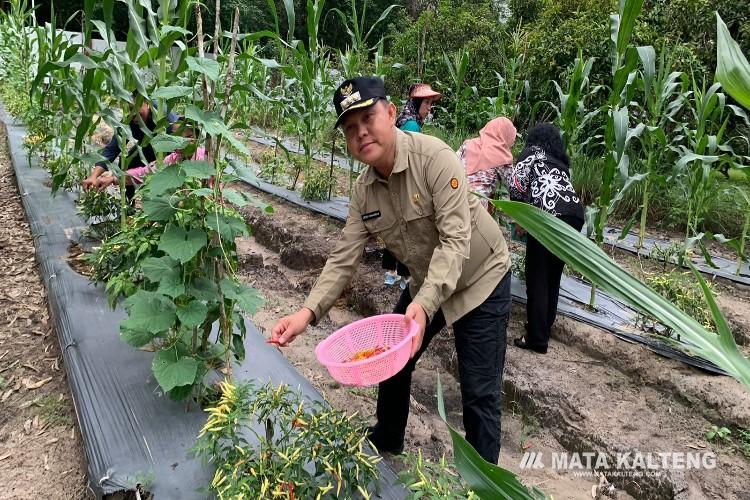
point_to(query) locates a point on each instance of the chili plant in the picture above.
(303, 450)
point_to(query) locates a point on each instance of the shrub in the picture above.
(318, 183)
(681, 289)
(272, 168)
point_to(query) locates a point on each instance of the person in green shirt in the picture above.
(417, 107)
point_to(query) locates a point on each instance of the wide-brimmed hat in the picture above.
(423, 91)
(357, 93)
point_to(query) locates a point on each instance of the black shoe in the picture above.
(525, 345)
(381, 445)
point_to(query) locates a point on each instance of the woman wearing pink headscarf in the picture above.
(488, 159)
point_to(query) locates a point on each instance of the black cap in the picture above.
(357, 93)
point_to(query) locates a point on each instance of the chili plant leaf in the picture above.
(149, 311)
(180, 244)
(192, 314)
(247, 298)
(172, 371)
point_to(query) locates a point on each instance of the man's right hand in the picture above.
(90, 181)
(288, 327)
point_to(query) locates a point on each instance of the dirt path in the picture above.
(590, 393)
(41, 452)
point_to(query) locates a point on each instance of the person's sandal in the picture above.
(521, 343)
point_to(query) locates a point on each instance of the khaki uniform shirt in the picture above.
(426, 217)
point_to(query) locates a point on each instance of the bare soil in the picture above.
(41, 452)
(591, 392)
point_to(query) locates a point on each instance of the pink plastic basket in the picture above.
(386, 330)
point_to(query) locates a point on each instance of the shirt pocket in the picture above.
(422, 235)
(382, 225)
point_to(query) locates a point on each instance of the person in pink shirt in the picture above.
(488, 159)
(135, 176)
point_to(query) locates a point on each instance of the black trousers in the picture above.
(480, 343)
(136, 161)
(390, 263)
(543, 272)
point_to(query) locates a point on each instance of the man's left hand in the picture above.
(415, 312)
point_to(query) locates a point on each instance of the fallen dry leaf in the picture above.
(52, 441)
(27, 426)
(6, 395)
(7, 455)
(35, 385)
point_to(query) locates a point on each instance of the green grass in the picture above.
(53, 411)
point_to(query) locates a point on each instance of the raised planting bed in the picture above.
(134, 436)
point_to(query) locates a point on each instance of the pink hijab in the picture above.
(492, 147)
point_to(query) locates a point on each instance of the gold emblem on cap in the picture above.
(346, 89)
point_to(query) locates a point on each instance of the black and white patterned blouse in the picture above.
(544, 182)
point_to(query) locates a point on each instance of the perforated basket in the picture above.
(386, 330)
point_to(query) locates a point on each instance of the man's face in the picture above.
(369, 132)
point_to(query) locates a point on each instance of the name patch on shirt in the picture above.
(371, 215)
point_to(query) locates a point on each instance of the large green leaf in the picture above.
(172, 92)
(192, 314)
(585, 257)
(165, 143)
(180, 244)
(247, 298)
(165, 180)
(234, 197)
(158, 208)
(732, 67)
(204, 289)
(229, 227)
(135, 338)
(629, 12)
(149, 311)
(204, 66)
(172, 370)
(154, 268)
(212, 124)
(487, 480)
(198, 169)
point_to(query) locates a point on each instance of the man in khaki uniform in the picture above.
(413, 197)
